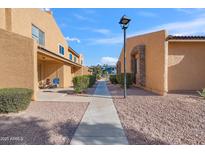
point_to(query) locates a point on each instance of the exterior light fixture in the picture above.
(124, 22)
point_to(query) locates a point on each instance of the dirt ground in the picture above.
(151, 119)
(42, 123)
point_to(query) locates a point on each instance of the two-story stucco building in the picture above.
(32, 49)
(163, 63)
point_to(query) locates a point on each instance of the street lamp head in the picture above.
(124, 21)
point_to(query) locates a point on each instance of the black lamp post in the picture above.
(124, 22)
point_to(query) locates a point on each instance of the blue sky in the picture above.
(97, 35)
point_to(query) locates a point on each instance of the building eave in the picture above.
(56, 56)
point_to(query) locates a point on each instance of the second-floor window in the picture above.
(71, 56)
(38, 35)
(75, 59)
(61, 49)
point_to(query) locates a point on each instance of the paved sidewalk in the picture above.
(60, 94)
(100, 124)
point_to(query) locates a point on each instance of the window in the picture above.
(75, 59)
(71, 56)
(61, 49)
(38, 35)
(81, 62)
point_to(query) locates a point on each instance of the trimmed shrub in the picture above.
(81, 83)
(118, 78)
(92, 80)
(14, 99)
(129, 77)
(113, 79)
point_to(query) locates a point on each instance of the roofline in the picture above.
(60, 57)
(184, 40)
(172, 38)
(72, 50)
(147, 33)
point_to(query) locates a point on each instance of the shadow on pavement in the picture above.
(30, 131)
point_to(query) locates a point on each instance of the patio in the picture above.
(63, 94)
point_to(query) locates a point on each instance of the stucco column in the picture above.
(35, 71)
(165, 75)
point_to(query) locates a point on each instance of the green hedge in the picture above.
(113, 79)
(14, 99)
(83, 82)
(120, 79)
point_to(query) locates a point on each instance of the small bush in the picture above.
(81, 83)
(92, 80)
(202, 94)
(113, 79)
(14, 99)
(120, 79)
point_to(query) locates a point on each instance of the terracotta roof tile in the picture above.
(172, 37)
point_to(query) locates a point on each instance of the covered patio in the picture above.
(55, 71)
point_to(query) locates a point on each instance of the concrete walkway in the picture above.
(60, 94)
(100, 124)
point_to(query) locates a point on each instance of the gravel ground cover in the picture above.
(151, 119)
(42, 123)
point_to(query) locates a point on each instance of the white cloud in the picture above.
(193, 27)
(102, 31)
(73, 39)
(109, 60)
(190, 27)
(107, 41)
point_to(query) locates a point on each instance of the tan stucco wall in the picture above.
(186, 63)
(21, 23)
(51, 70)
(67, 81)
(22, 20)
(2, 18)
(17, 61)
(86, 71)
(155, 55)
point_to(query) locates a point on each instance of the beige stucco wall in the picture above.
(67, 76)
(22, 20)
(17, 61)
(86, 71)
(21, 23)
(2, 18)
(155, 55)
(50, 70)
(186, 66)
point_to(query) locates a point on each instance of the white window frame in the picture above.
(59, 51)
(38, 38)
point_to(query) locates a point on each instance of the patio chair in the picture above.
(56, 82)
